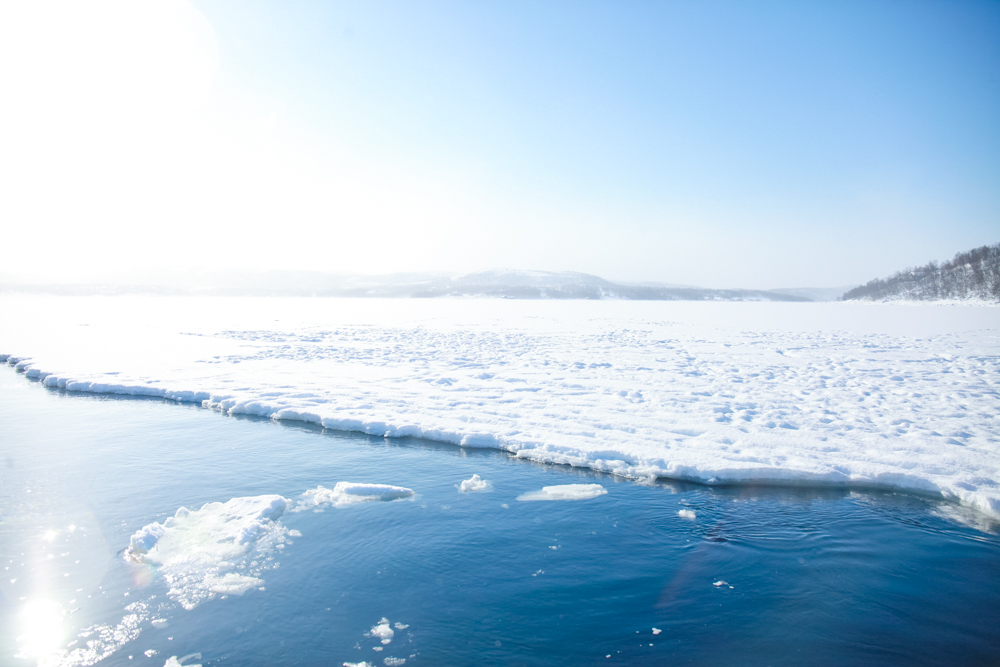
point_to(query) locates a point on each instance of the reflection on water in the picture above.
(725, 575)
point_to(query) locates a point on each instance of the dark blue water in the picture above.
(812, 576)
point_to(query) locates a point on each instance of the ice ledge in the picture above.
(982, 495)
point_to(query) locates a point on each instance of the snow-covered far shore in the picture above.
(876, 395)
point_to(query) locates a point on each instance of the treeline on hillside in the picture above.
(969, 275)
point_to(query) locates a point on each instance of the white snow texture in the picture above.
(874, 395)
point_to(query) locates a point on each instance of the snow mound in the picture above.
(565, 492)
(221, 548)
(350, 493)
(474, 483)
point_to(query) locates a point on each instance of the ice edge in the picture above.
(534, 451)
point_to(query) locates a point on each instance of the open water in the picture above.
(758, 576)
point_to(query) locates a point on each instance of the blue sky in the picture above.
(712, 143)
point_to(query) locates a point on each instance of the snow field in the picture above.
(826, 393)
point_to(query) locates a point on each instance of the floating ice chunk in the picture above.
(174, 661)
(349, 493)
(382, 631)
(565, 492)
(474, 483)
(394, 662)
(159, 623)
(358, 664)
(657, 631)
(686, 514)
(401, 626)
(218, 549)
(720, 582)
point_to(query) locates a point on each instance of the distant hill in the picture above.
(507, 284)
(816, 293)
(969, 275)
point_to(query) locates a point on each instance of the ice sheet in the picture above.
(813, 393)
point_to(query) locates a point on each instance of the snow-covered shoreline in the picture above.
(833, 394)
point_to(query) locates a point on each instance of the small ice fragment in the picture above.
(400, 626)
(565, 492)
(294, 533)
(394, 662)
(657, 631)
(358, 664)
(474, 483)
(348, 493)
(173, 661)
(376, 648)
(150, 653)
(686, 514)
(159, 623)
(383, 631)
(720, 582)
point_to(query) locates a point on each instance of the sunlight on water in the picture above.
(42, 632)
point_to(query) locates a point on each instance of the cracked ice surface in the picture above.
(863, 394)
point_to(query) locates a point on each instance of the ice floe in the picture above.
(474, 483)
(174, 661)
(350, 493)
(383, 631)
(220, 549)
(565, 492)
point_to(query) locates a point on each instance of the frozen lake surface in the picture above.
(849, 394)
(530, 565)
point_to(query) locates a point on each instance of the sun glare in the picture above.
(41, 629)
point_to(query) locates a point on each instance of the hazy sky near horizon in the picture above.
(722, 144)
